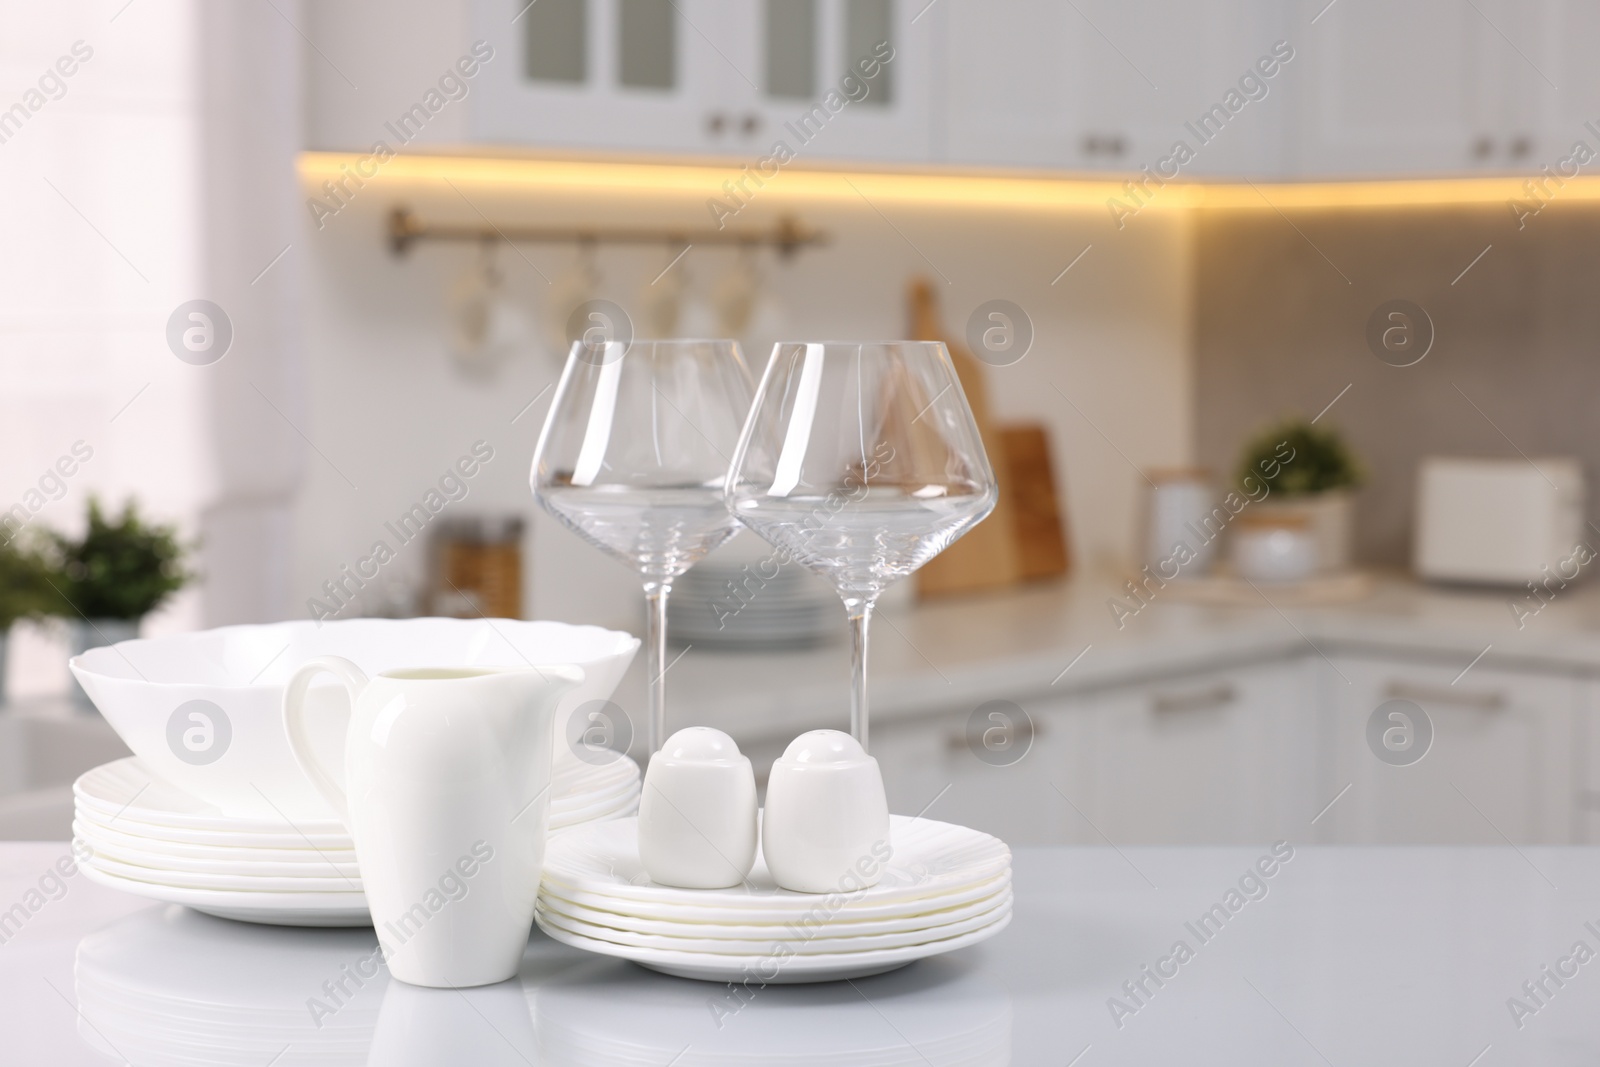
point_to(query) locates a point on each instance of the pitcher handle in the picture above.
(294, 710)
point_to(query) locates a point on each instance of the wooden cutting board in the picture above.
(986, 556)
(1036, 514)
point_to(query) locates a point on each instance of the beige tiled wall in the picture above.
(1280, 314)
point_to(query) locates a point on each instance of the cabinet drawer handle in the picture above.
(1199, 700)
(1438, 695)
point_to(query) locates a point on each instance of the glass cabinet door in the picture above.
(623, 74)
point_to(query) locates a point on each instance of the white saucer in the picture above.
(732, 930)
(929, 859)
(827, 967)
(275, 909)
(822, 943)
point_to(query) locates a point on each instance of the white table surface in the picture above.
(1353, 956)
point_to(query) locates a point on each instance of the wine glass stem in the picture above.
(860, 613)
(655, 640)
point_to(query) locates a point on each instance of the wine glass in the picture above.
(862, 461)
(632, 458)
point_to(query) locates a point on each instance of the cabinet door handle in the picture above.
(716, 122)
(751, 125)
(1482, 148)
(1197, 700)
(1521, 146)
(1444, 697)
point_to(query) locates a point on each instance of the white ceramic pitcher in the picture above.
(447, 783)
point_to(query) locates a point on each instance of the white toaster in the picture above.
(1497, 520)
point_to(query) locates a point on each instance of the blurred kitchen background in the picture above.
(1378, 241)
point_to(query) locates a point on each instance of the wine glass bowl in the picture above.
(633, 456)
(861, 461)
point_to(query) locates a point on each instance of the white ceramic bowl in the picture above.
(239, 759)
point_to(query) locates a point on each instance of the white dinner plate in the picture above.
(312, 843)
(929, 859)
(327, 867)
(612, 796)
(167, 849)
(229, 882)
(609, 809)
(766, 932)
(570, 775)
(275, 909)
(700, 914)
(827, 967)
(123, 789)
(813, 946)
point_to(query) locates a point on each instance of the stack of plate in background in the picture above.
(139, 834)
(944, 888)
(740, 597)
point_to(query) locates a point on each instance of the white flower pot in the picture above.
(1328, 516)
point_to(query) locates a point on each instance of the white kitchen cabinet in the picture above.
(1428, 86)
(1217, 757)
(930, 769)
(1222, 757)
(1557, 81)
(1586, 756)
(1101, 85)
(724, 77)
(1501, 765)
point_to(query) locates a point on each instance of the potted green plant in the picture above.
(106, 581)
(24, 592)
(1315, 474)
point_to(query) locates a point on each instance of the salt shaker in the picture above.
(826, 826)
(697, 814)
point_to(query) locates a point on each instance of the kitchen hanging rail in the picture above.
(788, 235)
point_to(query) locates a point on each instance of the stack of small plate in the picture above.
(142, 835)
(944, 888)
(583, 792)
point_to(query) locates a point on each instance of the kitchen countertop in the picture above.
(1342, 956)
(951, 655)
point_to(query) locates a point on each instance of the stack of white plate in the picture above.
(147, 837)
(945, 887)
(740, 597)
(153, 839)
